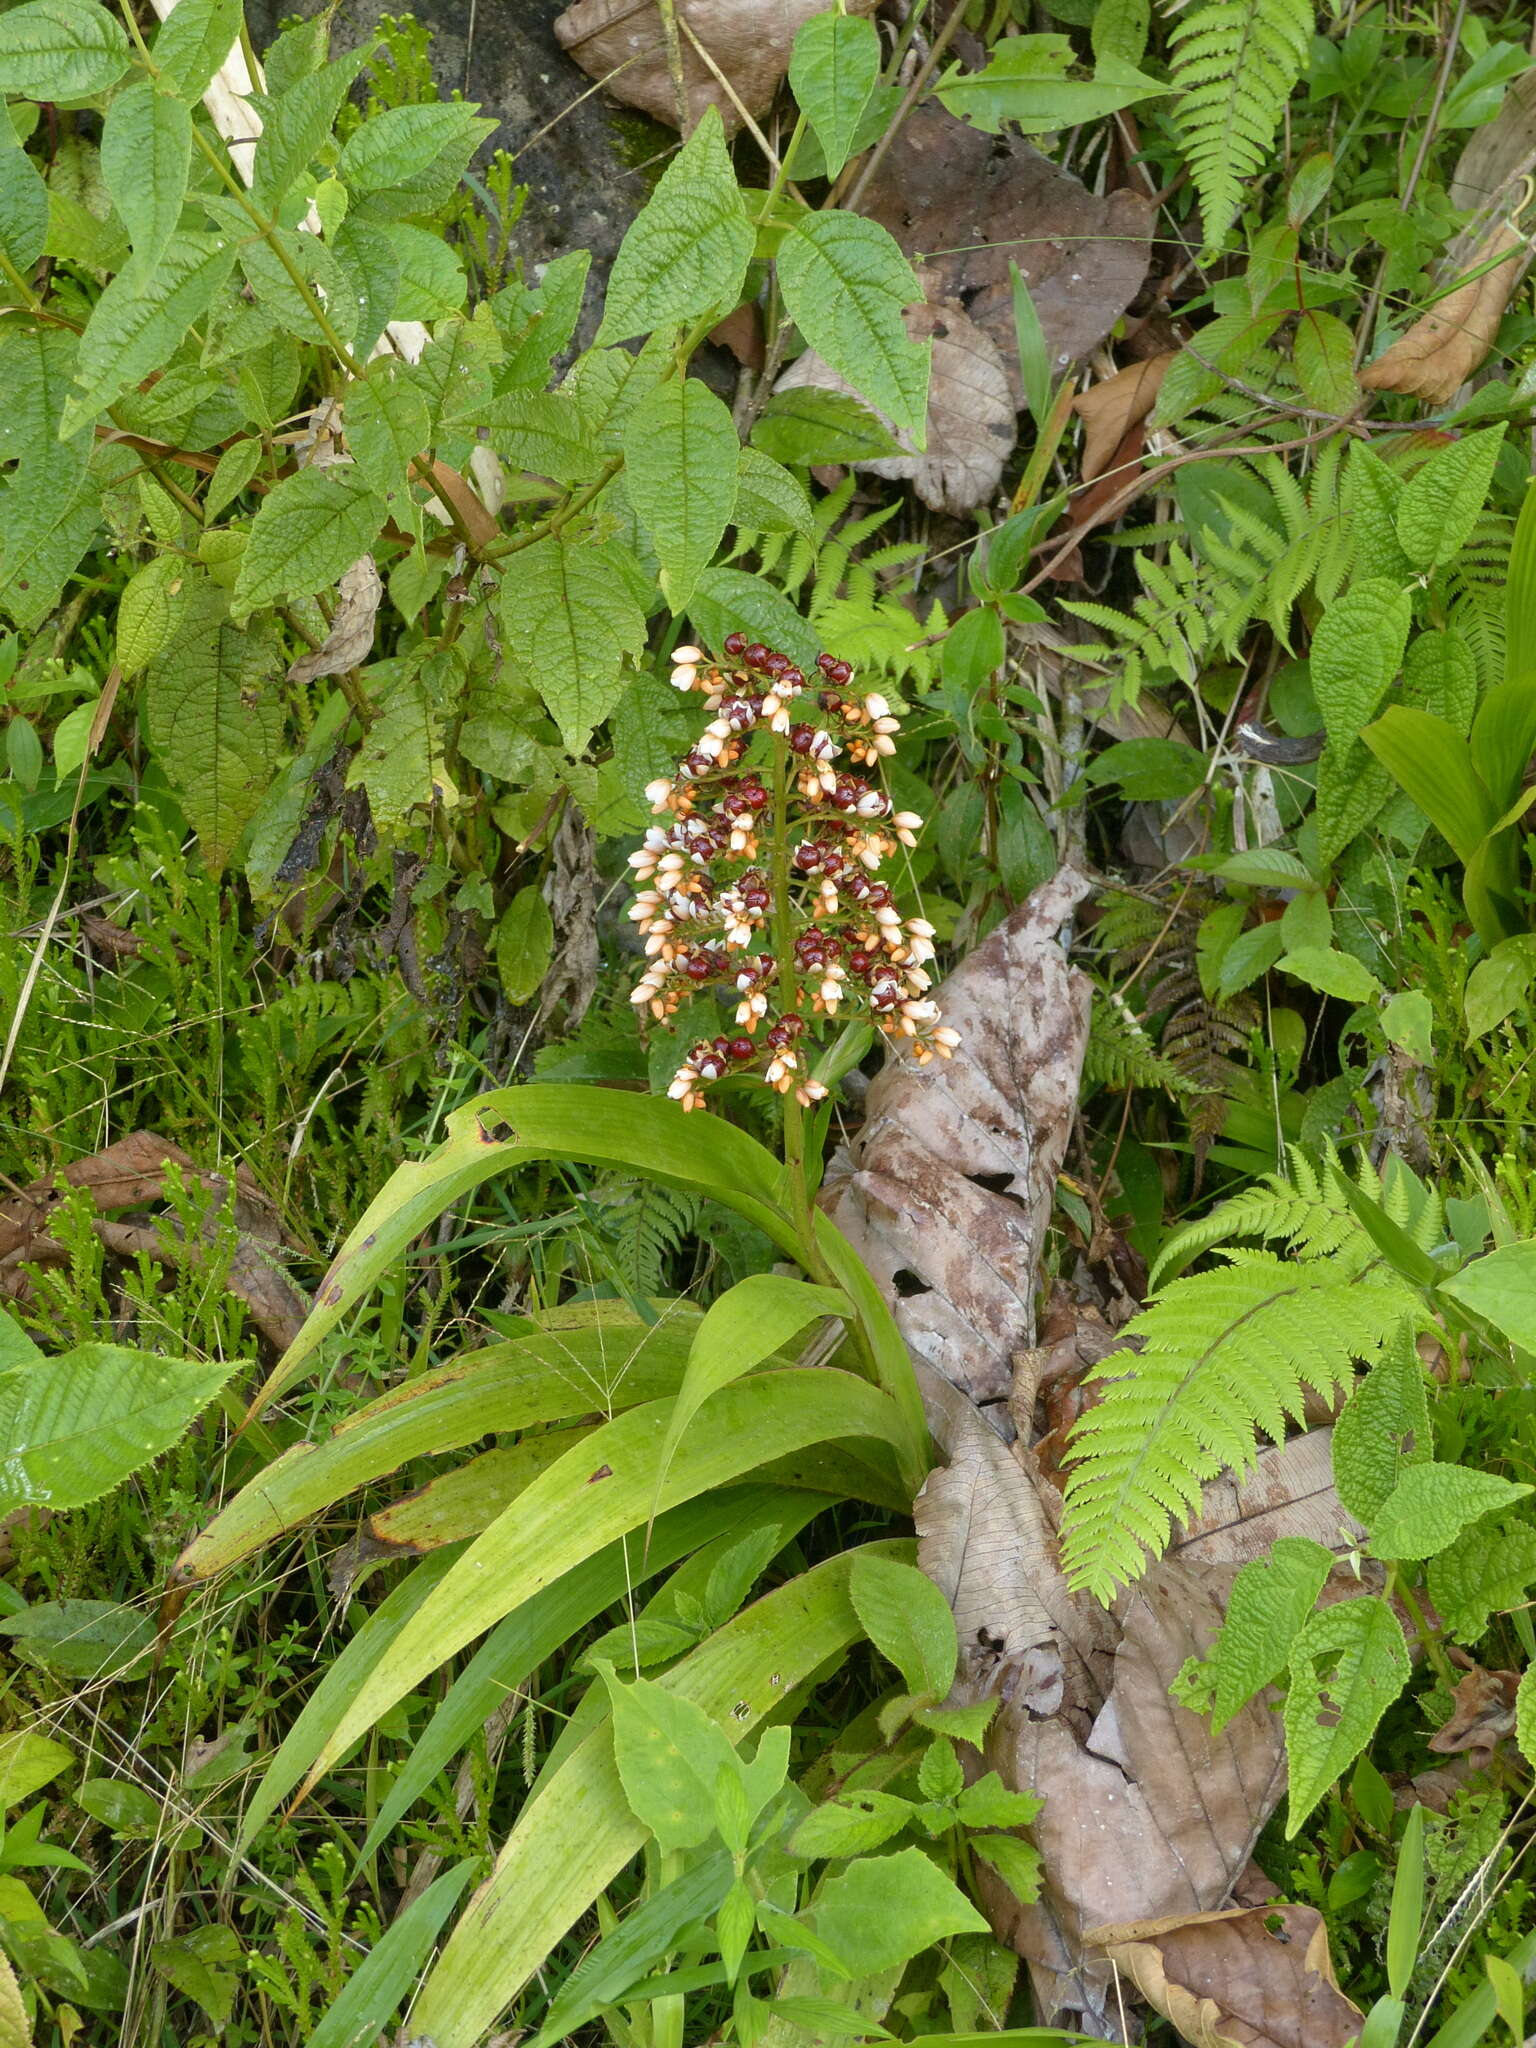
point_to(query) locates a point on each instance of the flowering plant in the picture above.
(764, 880)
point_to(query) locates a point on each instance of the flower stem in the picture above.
(788, 989)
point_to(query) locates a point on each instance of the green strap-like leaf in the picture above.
(373, 1992)
(845, 283)
(600, 1489)
(578, 1833)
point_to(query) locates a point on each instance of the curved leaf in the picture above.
(74, 1426)
(845, 283)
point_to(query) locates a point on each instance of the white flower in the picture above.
(691, 655)
(684, 677)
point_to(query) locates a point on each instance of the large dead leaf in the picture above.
(1260, 1978)
(1110, 410)
(1440, 351)
(962, 203)
(350, 640)
(622, 43)
(949, 1187)
(972, 422)
(1483, 1713)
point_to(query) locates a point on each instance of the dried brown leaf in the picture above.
(1440, 351)
(950, 1184)
(1483, 1713)
(1259, 1977)
(962, 204)
(1109, 410)
(350, 640)
(622, 43)
(1288, 1493)
(972, 423)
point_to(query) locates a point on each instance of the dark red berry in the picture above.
(755, 795)
(840, 672)
(722, 1045)
(742, 1048)
(826, 663)
(829, 700)
(698, 968)
(801, 739)
(735, 644)
(858, 961)
(791, 680)
(755, 655)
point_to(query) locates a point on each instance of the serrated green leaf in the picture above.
(76, 1426)
(988, 1803)
(60, 50)
(833, 68)
(402, 761)
(680, 468)
(1332, 973)
(1323, 352)
(234, 470)
(545, 433)
(367, 261)
(845, 283)
(432, 280)
(1383, 1430)
(387, 425)
(272, 284)
(1487, 1570)
(909, 1622)
(686, 251)
(146, 611)
(852, 1824)
(1408, 1020)
(1441, 500)
(1432, 1503)
(311, 528)
(215, 718)
(525, 944)
(408, 161)
(1501, 1287)
(806, 426)
(1270, 1602)
(296, 122)
(193, 42)
(569, 619)
(1025, 84)
(1347, 1666)
(881, 1911)
(23, 203)
(49, 512)
(1357, 650)
(146, 152)
(1525, 1715)
(1017, 1863)
(536, 325)
(139, 319)
(770, 498)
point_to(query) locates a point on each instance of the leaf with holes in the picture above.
(1347, 1666)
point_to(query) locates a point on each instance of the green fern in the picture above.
(1224, 1355)
(650, 1225)
(1119, 1053)
(1235, 62)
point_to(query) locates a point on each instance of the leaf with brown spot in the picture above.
(1109, 410)
(622, 44)
(350, 640)
(1441, 350)
(972, 424)
(962, 204)
(1259, 1977)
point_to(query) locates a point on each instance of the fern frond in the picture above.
(1304, 1208)
(1119, 1053)
(1235, 62)
(1224, 1356)
(649, 1227)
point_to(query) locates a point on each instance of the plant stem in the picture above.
(788, 988)
(1429, 1639)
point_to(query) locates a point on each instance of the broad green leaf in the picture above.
(387, 425)
(146, 611)
(806, 426)
(573, 1839)
(1501, 1287)
(988, 1803)
(670, 1756)
(525, 944)
(537, 324)
(1332, 973)
(882, 1911)
(1440, 675)
(1016, 1862)
(1498, 984)
(16, 1347)
(852, 1824)
(686, 251)
(146, 151)
(1323, 352)
(680, 467)
(307, 533)
(402, 761)
(432, 280)
(1357, 650)
(845, 283)
(23, 203)
(1270, 1602)
(49, 512)
(1520, 593)
(833, 68)
(1443, 497)
(270, 266)
(383, 1979)
(1025, 83)
(1503, 736)
(1432, 1503)
(296, 122)
(601, 1488)
(29, 1761)
(540, 1121)
(61, 50)
(1433, 763)
(75, 1426)
(408, 161)
(727, 599)
(1383, 1430)
(569, 618)
(909, 1622)
(1525, 1715)
(1347, 1666)
(193, 42)
(89, 1639)
(1266, 867)
(770, 498)
(1408, 1020)
(366, 259)
(214, 711)
(575, 1367)
(1487, 1570)
(757, 1317)
(546, 433)
(137, 322)
(1119, 29)
(236, 466)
